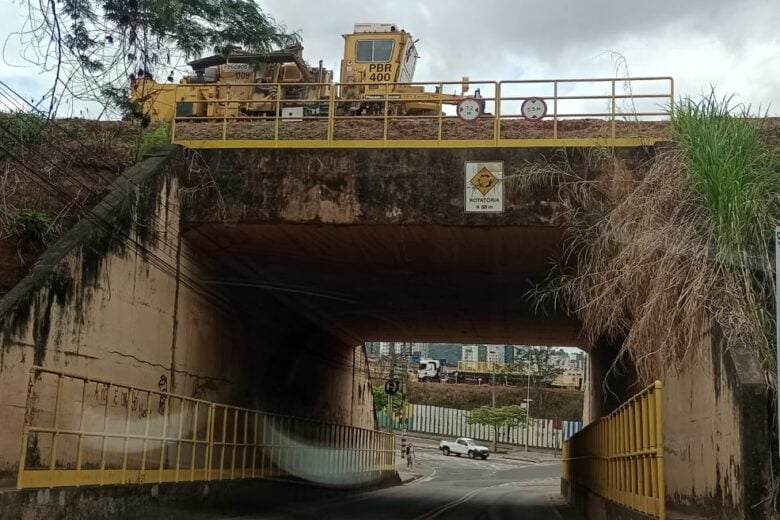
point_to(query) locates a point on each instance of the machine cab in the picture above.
(377, 54)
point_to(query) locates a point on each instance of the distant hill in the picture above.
(452, 352)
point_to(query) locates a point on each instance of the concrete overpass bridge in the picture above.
(222, 293)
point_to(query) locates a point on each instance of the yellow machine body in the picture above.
(378, 65)
(381, 59)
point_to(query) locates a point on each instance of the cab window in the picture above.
(374, 50)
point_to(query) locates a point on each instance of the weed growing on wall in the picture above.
(30, 225)
(650, 262)
(19, 130)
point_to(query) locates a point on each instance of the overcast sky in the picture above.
(732, 45)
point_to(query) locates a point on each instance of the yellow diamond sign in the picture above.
(484, 186)
(484, 181)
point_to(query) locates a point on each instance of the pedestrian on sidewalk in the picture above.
(409, 456)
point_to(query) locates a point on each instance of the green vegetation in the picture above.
(498, 417)
(99, 46)
(152, 139)
(21, 129)
(380, 400)
(538, 358)
(29, 225)
(547, 403)
(650, 263)
(735, 176)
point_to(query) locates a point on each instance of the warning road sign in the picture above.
(484, 187)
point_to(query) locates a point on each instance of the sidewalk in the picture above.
(415, 473)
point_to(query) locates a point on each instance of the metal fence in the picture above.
(81, 430)
(580, 112)
(620, 457)
(453, 422)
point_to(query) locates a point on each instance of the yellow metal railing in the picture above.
(86, 431)
(621, 457)
(580, 112)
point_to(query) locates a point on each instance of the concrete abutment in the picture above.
(255, 279)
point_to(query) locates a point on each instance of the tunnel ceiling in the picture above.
(394, 282)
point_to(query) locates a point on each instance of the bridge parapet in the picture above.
(577, 112)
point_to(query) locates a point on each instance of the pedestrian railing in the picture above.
(82, 430)
(577, 112)
(620, 457)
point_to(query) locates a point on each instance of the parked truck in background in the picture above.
(431, 370)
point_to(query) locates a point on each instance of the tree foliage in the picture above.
(96, 46)
(499, 416)
(380, 400)
(538, 360)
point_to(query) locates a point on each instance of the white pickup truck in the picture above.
(464, 446)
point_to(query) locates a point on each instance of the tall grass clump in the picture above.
(649, 263)
(151, 139)
(734, 173)
(21, 129)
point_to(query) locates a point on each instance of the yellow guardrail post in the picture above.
(277, 113)
(179, 441)
(497, 106)
(555, 110)
(80, 441)
(439, 113)
(225, 112)
(331, 114)
(55, 433)
(103, 441)
(164, 440)
(387, 107)
(175, 113)
(659, 451)
(146, 434)
(614, 110)
(25, 432)
(194, 449)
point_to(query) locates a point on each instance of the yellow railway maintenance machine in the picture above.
(376, 71)
(379, 61)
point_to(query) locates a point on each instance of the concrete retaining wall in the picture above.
(717, 430)
(717, 434)
(123, 297)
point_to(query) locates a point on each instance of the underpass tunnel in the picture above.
(320, 291)
(411, 283)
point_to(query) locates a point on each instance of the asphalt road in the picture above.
(453, 488)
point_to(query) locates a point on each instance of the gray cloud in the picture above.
(700, 42)
(734, 46)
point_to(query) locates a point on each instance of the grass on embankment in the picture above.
(652, 261)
